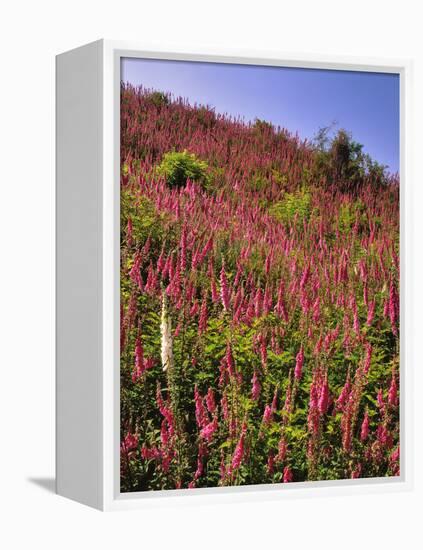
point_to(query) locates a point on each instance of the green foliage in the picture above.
(296, 207)
(206, 117)
(258, 184)
(214, 180)
(346, 156)
(349, 213)
(342, 159)
(280, 179)
(142, 213)
(177, 167)
(159, 99)
(322, 139)
(262, 126)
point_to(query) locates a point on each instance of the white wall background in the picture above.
(31, 33)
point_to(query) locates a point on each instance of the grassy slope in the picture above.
(301, 264)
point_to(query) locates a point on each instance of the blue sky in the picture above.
(301, 100)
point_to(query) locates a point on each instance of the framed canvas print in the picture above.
(231, 319)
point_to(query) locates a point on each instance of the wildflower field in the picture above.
(259, 302)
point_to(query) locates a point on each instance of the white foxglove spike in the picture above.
(166, 336)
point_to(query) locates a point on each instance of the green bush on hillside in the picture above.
(295, 207)
(159, 99)
(342, 160)
(262, 126)
(177, 167)
(349, 213)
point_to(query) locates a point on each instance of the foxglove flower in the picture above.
(239, 450)
(393, 392)
(324, 397)
(166, 337)
(287, 475)
(299, 362)
(256, 387)
(224, 289)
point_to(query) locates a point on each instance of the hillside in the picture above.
(259, 303)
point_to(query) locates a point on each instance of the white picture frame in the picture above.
(87, 366)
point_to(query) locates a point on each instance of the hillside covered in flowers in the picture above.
(259, 302)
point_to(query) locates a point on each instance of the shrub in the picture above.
(263, 127)
(159, 99)
(206, 117)
(349, 213)
(295, 207)
(258, 183)
(341, 160)
(279, 178)
(146, 220)
(177, 167)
